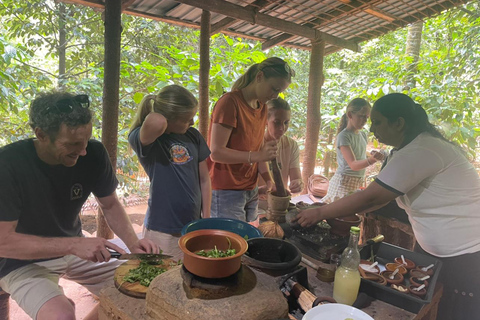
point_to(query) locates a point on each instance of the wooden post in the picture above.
(313, 110)
(204, 74)
(111, 79)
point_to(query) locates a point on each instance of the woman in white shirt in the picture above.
(433, 181)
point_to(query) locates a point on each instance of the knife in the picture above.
(139, 256)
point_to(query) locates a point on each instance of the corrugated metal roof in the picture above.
(350, 21)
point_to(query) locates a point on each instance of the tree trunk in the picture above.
(414, 41)
(204, 74)
(313, 110)
(113, 33)
(62, 38)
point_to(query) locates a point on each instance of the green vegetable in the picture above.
(215, 253)
(144, 273)
(245, 237)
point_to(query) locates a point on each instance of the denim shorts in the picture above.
(235, 204)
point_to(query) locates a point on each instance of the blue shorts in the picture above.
(235, 204)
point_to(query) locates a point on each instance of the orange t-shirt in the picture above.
(248, 127)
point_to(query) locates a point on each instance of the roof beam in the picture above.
(226, 22)
(254, 17)
(278, 40)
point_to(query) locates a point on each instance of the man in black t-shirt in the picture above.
(44, 182)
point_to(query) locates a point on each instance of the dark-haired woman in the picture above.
(235, 138)
(433, 181)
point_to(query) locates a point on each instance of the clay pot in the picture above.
(417, 273)
(276, 203)
(341, 226)
(417, 282)
(375, 278)
(325, 275)
(421, 293)
(409, 264)
(397, 279)
(392, 266)
(428, 272)
(399, 287)
(207, 239)
(366, 262)
(272, 256)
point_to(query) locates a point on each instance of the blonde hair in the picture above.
(354, 106)
(171, 102)
(271, 67)
(277, 104)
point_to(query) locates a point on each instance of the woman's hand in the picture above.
(377, 155)
(308, 217)
(268, 151)
(296, 185)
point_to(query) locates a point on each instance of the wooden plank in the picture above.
(254, 17)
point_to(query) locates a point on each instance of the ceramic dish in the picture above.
(335, 311)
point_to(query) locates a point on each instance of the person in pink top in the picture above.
(235, 138)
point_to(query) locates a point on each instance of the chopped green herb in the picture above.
(144, 273)
(215, 253)
(245, 237)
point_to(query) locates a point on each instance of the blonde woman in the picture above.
(235, 137)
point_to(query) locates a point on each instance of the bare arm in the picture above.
(153, 127)
(206, 188)
(372, 197)
(220, 153)
(353, 163)
(296, 182)
(25, 247)
(120, 224)
(265, 173)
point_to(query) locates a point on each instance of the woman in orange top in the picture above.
(235, 138)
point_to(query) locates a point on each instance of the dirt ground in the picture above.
(84, 300)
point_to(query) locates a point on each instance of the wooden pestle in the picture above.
(277, 178)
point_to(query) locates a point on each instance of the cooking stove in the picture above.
(316, 242)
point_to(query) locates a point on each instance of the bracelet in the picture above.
(250, 157)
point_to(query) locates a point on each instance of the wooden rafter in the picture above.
(226, 22)
(252, 16)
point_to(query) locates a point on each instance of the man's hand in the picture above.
(94, 249)
(309, 217)
(145, 246)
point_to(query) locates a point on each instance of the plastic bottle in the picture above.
(347, 276)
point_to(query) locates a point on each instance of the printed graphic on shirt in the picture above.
(179, 154)
(76, 192)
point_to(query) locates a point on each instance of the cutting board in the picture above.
(135, 289)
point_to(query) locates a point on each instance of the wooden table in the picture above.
(377, 309)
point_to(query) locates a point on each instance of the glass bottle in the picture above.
(347, 276)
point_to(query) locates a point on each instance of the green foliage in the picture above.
(156, 54)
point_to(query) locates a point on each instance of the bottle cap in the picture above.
(355, 229)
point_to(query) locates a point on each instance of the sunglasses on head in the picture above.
(285, 66)
(67, 105)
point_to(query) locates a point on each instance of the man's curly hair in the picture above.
(50, 120)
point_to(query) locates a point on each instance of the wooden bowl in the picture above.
(417, 273)
(417, 282)
(376, 268)
(375, 278)
(207, 239)
(409, 263)
(420, 293)
(392, 266)
(428, 272)
(341, 226)
(397, 279)
(400, 287)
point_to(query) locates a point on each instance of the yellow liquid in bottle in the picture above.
(346, 285)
